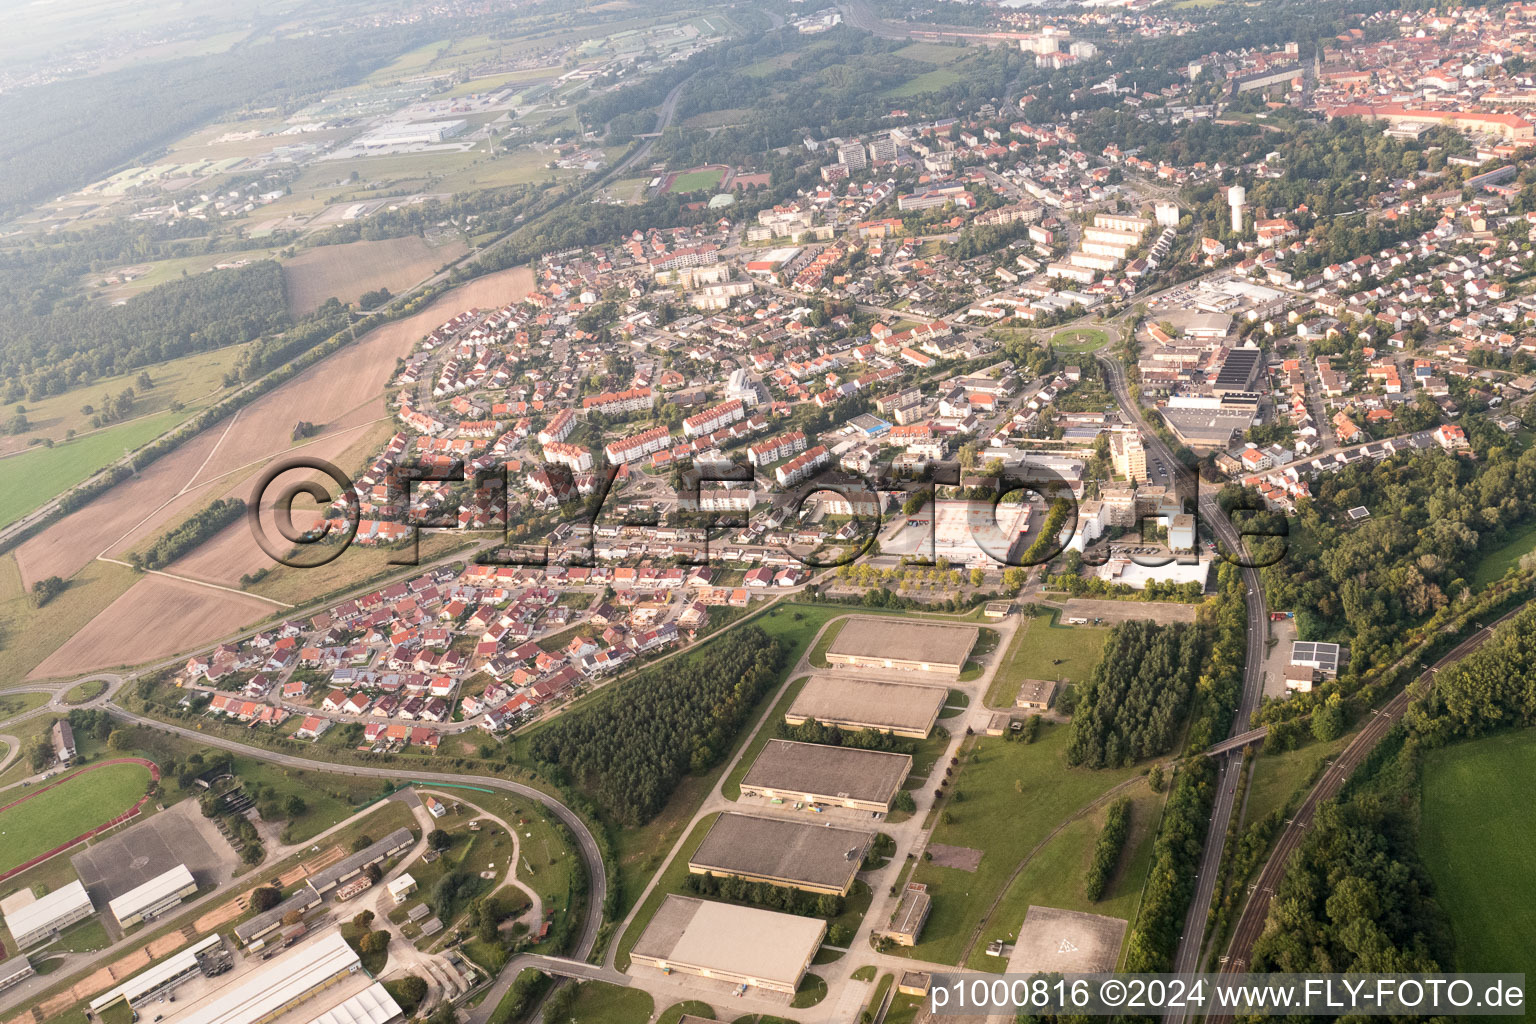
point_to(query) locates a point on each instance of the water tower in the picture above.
(1237, 199)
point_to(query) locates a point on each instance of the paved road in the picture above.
(1250, 924)
(591, 855)
(1229, 770)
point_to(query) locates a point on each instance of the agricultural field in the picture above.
(347, 271)
(220, 461)
(1476, 819)
(1006, 799)
(28, 634)
(157, 617)
(32, 478)
(50, 817)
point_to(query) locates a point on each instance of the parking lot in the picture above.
(180, 835)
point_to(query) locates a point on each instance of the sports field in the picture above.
(44, 819)
(1477, 821)
(694, 181)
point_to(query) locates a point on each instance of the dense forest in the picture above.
(1132, 705)
(49, 347)
(1432, 518)
(630, 751)
(1356, 897)
(1493, 688)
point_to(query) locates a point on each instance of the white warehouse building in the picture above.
(48, 915)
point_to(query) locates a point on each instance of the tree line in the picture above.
(198, 527)
(1106, 850)
(629, 752)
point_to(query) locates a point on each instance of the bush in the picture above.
(265, 898)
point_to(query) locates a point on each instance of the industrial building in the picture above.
(161, 978)
(154, 897)
(865, 780)
(280, 984)
(904, 644)
(1035, 694)
(910, 915)
(373, 1005)
(1238, 371)
(419, 133)
(799, 854)
(14, 970)
(729, 943)
(46, 916)
(903, 709)
(259, 929)
(1324, 658)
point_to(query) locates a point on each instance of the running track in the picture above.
(154, 777)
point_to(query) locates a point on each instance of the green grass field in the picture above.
(597, 1002)
(195, 381)
(85, 691)
(1042, 649)
(931, 53)
(1277, 778)
(692, 1007)
(694, 181)
(1505, 557)
(928, 81)
(1476, 822)
(31, 478)
(1083, 339)
(58, 815)
(1011, 795)
(1054, 877)
(13, 703)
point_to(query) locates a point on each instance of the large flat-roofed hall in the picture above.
(729, 943)
(905, 709)
(903, 644)
(864, 780)
(814, 857)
